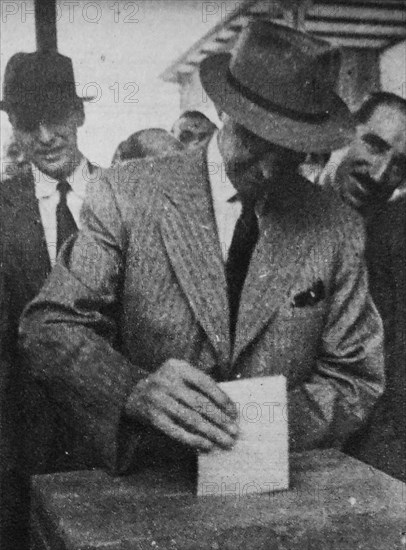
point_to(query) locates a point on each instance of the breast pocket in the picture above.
(308, 301)
(291, 313)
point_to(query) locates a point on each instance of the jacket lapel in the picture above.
(279, 260)
(189, 233)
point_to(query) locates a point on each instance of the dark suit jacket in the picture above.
(383, 442)
(144, 281)
(33, 439)
(24, 267)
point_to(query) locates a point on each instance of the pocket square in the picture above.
(311, 296)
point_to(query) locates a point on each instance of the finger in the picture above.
(206, 385)
(166, 425)
(206, 408)
(193, 422)
(168, 396)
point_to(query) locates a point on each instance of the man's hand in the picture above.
(187, 405)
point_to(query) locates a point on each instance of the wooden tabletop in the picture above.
(334, 502)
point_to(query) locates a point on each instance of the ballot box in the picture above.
(333, 502)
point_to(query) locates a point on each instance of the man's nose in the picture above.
(45, 133)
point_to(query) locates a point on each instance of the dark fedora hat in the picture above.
(39, 85)
(279, 84)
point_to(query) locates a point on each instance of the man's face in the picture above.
(250, 162)
(191, 132)
(375, 164)
(50, 146)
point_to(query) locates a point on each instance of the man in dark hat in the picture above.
(217, 264)
(39, 210)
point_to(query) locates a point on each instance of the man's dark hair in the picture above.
(197, 115)
(374, 101)
(194, 116)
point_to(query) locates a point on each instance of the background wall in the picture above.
(118, 50)
(393, 69)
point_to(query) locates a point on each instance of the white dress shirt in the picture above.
(226, 205)
(48, 199)
(226, 202)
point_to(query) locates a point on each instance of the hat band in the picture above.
(268, 105)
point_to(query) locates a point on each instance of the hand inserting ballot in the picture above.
(187, 405)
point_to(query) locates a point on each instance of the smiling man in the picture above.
(366, 175)
(39, 210)
(45, 112)
(373, 166)
(216, 264)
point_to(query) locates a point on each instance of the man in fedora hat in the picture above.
(216, 264)
(39, 209)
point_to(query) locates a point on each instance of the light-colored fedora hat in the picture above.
(279, 84)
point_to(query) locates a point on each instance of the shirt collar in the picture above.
(329, 172)
(45, 186)
(221, 187)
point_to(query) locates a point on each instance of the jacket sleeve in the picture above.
(349, 372)
(69, 332)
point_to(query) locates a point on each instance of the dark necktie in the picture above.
(242, 245)
(65, 224)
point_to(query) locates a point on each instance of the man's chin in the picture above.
(53, 167)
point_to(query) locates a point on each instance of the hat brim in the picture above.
(8, 106)
(333, 132)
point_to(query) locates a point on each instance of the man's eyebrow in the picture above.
(376, 141)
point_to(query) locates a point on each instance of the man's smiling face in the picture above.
(375, 164)
(50, 145)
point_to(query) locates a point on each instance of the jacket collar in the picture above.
(189, 233)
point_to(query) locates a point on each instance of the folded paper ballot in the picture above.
(259, 461)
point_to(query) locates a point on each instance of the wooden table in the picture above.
(335, 502)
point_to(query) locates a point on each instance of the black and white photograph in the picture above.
(203, 275)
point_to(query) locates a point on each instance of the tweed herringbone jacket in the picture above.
(144, 281)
